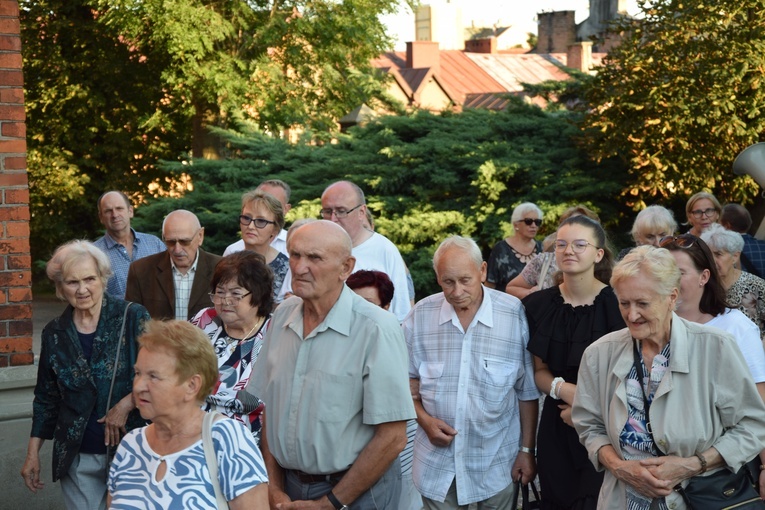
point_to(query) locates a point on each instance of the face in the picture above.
(527, 231)
(278, 193)
(647, 314)
(652, 237)
(183, 239)
(703, 222)
(251, 234)
(570, 262)
(234, 312)
(370, 294)
(460, 279)
(692, 280)
(724, 262)
(318, 265)
(115, 213)
(343, 198)
(157, 392)
(82, 286)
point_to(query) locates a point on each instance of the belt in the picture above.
(332, 478)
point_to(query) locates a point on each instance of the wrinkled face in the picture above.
(524, 230)
(692, 280)
(82, 286)
(702, 215)
(183, 239)
(114, 213)
(647, 314)
(251, 234)
(652, 237)
(725, 261)
(371, 294)
(571, 262)
(340, 199)
(460, 279)
(318, 267)
(157, 392)
(233, 304)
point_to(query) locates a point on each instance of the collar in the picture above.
(191, 270)
(338, 318)
(111, 243)
(484, 314)
(281, 236)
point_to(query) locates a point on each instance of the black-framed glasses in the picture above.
(684, 241)
(245, 221)
(577, 245)
(186, 242)
(220, 297)
(339, 213)
(709, 212)
(532, 221)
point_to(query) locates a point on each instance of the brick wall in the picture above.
(556, 31)
(15, 258)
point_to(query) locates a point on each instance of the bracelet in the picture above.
(703, 462)
(556, 384)
(530, 451)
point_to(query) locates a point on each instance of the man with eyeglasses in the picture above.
(343, 203)
(120, 242)
(281, 191)
(174, 284)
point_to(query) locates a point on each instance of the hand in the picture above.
(524, 468)
(115, 420)
(762, 484)
(30, 472)
(671, 468)
(439, 433)
(320, 504)
(642, 479)
(565, 414)
(277, 497)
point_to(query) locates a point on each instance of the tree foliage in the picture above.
(426, 177)
(681, 97)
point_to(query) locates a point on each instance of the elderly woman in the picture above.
(242, 294)
(510, 255)
(702, 209)
(261, 220)
(84, 381)
(163, 464)
(651, 225)
(668, 373)
(743, 290)
(374, 286)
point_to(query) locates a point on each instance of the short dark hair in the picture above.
(736, 217)
(248, 269)
(376, 279)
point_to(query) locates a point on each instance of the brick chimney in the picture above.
(488, 45)
(579, 56)
(423, 54)
(556, 30)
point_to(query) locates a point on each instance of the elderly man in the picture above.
(473, 386)
(735, 217)
(343, 203)
(281, 191)
(332, 373)
(174, 284)
(121, 243)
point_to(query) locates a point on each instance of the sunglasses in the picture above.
(530, 221)
(684, 241)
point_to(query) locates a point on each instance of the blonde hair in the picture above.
(658, 263)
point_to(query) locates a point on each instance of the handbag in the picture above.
(526, 503)
(211, 459)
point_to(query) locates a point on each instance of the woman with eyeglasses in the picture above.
(261, 221)
(702, 210)
(742, 290)
(510, 255)
(242, 294)
(563, 321)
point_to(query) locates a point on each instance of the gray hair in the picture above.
(526, 207)
(654, 217)
(658, 263)
(719, 238)
(277, 183)
(465, 244)
(70, 253)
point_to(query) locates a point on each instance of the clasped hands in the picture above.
(655, 477)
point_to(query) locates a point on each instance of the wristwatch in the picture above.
(335, 502)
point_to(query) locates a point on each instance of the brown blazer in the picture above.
(150, 283)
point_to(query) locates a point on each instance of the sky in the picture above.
(519, 13)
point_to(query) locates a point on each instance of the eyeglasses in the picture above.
(220, 297)
(339, 213)
(183, 242)
(698, 213)
(578, 245)
(532, 221)
(245, 221)
(684, 241)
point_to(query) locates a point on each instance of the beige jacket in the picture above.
(707, 398)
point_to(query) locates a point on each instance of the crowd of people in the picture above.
(296, 371)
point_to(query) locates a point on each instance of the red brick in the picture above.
(20, 328)
(14, 246)
(9, 78)
(10, 43)
(9, 26)
(22, 344)
(17, 229)
(2, 297)
(16, 196)
(9, 8)
(16, 163)
(17, 146)
(18, 262)
(13, 129)
(10, 60)
(18, 360)
(4, 361)
(16, 279)
(16, 312)
(10, 112)
(4, 329)
(14, 213)
(19, 295)
(14, 95)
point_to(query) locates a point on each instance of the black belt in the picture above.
(332, 478)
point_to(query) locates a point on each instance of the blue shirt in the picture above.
(754, 249)
(143, 246)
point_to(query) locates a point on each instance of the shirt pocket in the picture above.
(430, 374)
(498, 378)
(332, 398)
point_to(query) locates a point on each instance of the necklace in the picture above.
(257, 325)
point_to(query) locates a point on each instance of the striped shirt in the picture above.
(183, 284)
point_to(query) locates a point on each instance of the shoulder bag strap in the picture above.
(120, 341)
(210, 458)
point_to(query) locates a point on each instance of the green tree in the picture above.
(680, 97)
